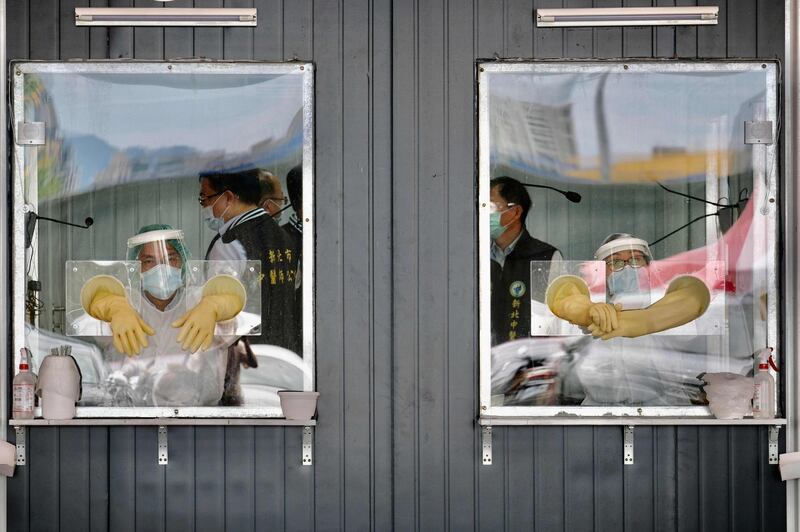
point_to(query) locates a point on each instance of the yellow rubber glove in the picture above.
(223, 298)
(103, 297)
(687, 298)
(568, 298)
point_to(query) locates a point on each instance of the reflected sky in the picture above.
(205, 112)
(112, 128)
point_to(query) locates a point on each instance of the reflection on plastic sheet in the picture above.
(658, 153)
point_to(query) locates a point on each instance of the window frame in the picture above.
(17, 72)
(489, 414)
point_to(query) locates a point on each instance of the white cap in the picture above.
(617, 242)
(155, 236)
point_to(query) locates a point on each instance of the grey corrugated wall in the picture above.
(396, 446)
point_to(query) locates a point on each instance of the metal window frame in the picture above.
(5, 381)
(791, 142)
(486, 69)
(306, 70)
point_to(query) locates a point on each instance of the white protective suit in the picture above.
(164, 374)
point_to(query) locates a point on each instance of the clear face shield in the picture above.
(626, 260)
(162, 254)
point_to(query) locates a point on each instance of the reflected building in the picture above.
(532, 135)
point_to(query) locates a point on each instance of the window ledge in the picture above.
(622, 420)
(77, 422)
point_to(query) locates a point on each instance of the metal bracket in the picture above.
(773, 443)
(30, 133)
(627, 445)
(758, 132)
(163, 448)
(20, 444)
(486, 440)
(308, 446)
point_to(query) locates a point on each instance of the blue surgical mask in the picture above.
(213, 223)
(162, 281)
(625, 281)
(496, 229)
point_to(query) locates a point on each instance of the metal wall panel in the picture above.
(396, 445)
(543, 478)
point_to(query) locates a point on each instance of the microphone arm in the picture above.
(574, 197)
(30, 225)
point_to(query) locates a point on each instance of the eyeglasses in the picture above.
(634, 262)
(203, 199)
(281, 201)
(494, 207)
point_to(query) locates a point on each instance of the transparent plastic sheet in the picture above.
(652, 283)
(564, 364)
(77, 273)
(248, 273)
(113, 162)
(164, 373)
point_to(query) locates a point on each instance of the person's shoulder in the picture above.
(531, 245)
(262, 222)
(290, 228)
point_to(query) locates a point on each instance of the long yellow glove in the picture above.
(687, 298)
(103, 298)
(223, 298)
(568, 298)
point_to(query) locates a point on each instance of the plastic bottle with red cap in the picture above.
(23, 388)
(764, 393)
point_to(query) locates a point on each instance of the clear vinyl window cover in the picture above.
(652, 262)
(155, 146)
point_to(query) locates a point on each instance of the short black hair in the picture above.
(244, 184)
(512, 191)
(294, 188)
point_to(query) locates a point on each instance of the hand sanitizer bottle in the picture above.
(764, 393)
(23, 385)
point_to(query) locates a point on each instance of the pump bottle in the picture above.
(764, 393)
(23, 388)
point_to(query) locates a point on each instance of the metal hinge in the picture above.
(486, 444)
(774, 430)
(308, 446)
(163, 447)
(20, 444)
(627, 445)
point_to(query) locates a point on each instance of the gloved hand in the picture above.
(686, 299)
(568, 298)
(223, 298)
(103, 298)
(604, 316)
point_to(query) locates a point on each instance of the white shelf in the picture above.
(79, 422)
(623, 420)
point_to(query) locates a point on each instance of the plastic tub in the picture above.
(298, 405)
